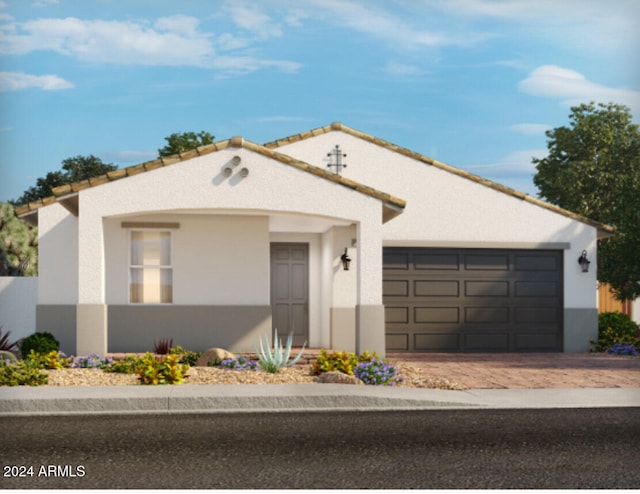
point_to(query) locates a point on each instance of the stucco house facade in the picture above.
(220, 245)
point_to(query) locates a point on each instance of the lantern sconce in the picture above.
(346, 260)
(584, 262)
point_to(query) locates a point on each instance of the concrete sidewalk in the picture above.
(295, 397)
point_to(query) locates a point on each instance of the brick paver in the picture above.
(528, 370)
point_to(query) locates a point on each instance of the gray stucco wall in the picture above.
(580, 326)
(197, 327)
(60, 321)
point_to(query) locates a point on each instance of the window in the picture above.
(150, 272)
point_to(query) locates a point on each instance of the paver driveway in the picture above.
(528, 370)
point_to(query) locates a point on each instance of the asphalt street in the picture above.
(593, 448)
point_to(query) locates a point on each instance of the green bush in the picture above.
(128, 365)
(40, 343)
(615, 327)
(165, 370)
(21, 373)
(339, 362)
(186, 356)
(50, 360)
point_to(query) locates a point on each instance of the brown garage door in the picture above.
(472, 300)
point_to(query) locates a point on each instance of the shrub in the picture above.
(91, 361)
(21, 373)
(622, 349)
(273, 360)
(615, 327)
(238, 363)
(377, 372)
(40, 343)
(5, 344)
(186, 356)
(127, 365)
(163, 346)
(9, 356)
(166, 370)
(50, 360)
(339, 362)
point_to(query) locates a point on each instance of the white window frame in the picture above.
(130, 266)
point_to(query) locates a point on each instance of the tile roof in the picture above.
(603, 230)
(67, 194)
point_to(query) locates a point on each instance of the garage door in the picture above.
(440, 300)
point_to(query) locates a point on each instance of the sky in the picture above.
(471, 83)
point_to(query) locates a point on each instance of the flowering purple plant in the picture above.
(91, 361)
(377, 372)
(239, 364)
(622, 349)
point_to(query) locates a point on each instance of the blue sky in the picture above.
(472, 83)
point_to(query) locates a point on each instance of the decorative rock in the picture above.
(337, 378)
(214, 354)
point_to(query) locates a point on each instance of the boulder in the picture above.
(337, 378)
(219, 354)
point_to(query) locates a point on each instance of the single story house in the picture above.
(220, 245)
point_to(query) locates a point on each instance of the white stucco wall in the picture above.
(216, 259)
(57, 256)
(18, 299)
(199, 186)
(446, 210)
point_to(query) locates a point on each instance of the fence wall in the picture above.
(18, 299)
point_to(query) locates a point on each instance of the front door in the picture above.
(290, 291)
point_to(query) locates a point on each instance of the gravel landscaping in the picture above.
(299, 374)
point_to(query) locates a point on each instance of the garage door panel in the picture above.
(486, 315)
(396, 315)
(486, 288)
(487, 262)
(491, 342)
(536, 289)
(397, 342)
(473, 299)
(396, 261)
(536, 315)
(536, 341)
(436, 261)
(436, 315)
(442, 342)
(435, 288)
(395, 288)
(530, 262)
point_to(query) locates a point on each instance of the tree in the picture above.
(73, 170)
(593, 169)
(18, 245)
(185, 141)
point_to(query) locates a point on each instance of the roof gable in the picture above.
(603, 230)
(67, 195)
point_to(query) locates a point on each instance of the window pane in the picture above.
(150, 248)
(151, 286)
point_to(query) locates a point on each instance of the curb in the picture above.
(296, 397)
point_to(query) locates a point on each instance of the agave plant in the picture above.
(272, 360)
(5, 344)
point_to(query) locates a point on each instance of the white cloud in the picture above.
(389, 26)
(530, 129)
(573, 88)
(169, 41)
(403, 70)
(17, 81)
(250, 18)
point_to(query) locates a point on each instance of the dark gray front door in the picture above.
(474, 300)
(290, 291)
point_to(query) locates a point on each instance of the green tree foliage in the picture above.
(73, 170)
(185, 141)
(18, 245)
(593, 169)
